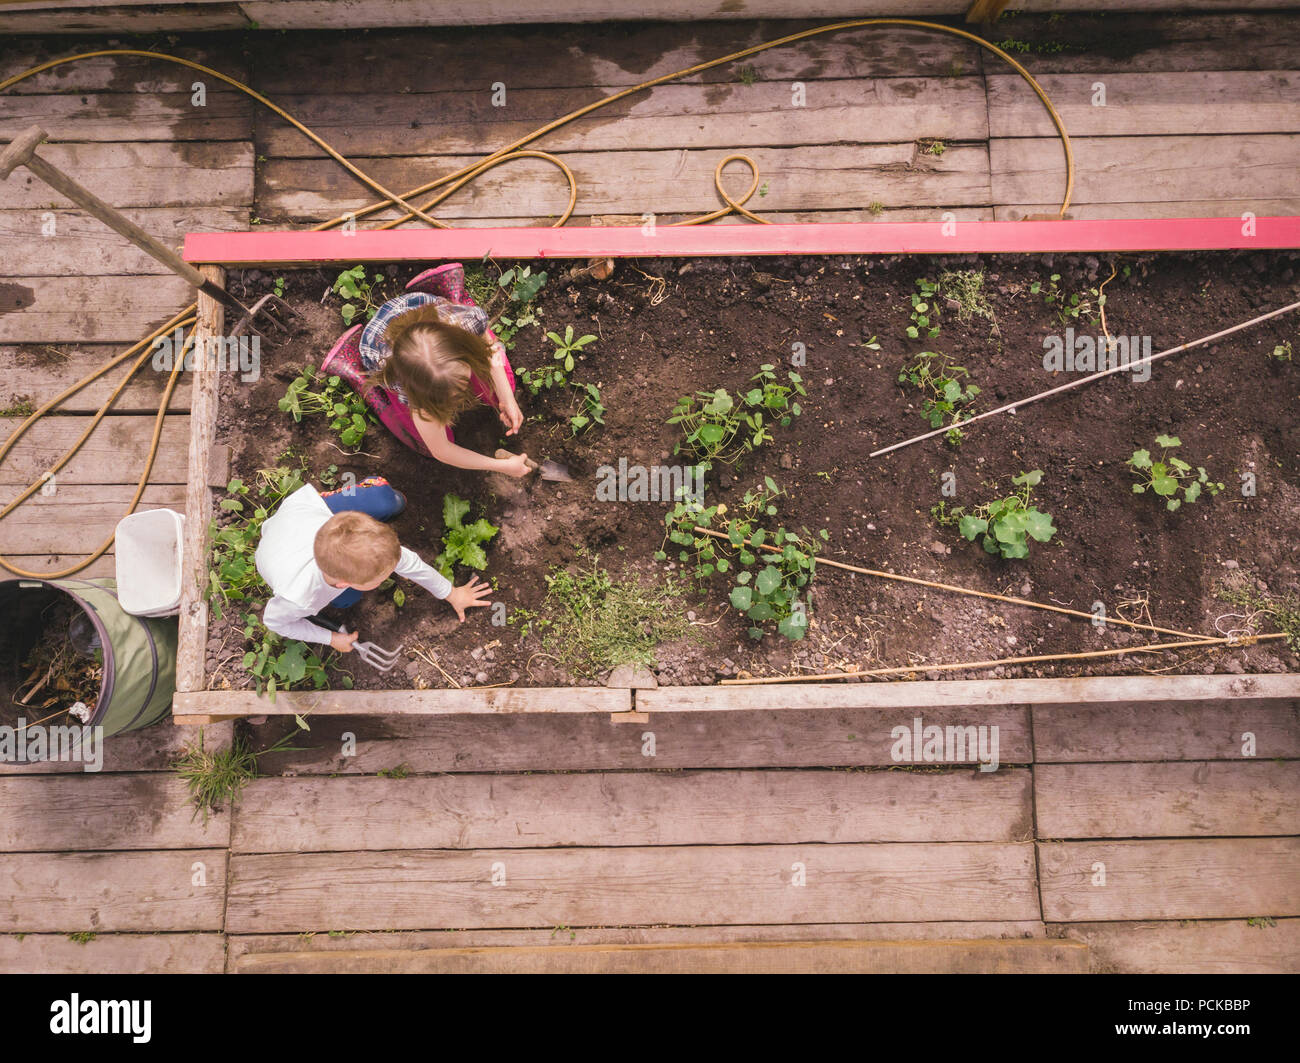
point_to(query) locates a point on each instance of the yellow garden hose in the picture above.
(448, 184)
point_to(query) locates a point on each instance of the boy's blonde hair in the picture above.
(356, 548)
(432, 362)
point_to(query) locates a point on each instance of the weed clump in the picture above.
(592, 623)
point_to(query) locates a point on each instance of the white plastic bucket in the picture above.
(149, 562)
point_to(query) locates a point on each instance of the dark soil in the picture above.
(1234, 408)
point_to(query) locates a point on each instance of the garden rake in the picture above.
(380, 659)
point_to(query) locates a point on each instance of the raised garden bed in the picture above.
(669, 328)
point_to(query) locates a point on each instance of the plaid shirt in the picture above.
(375, 350)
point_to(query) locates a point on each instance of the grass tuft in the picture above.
(594, 623)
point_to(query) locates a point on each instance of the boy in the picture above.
(320, 550)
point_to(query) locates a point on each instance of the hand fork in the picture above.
(377, 657)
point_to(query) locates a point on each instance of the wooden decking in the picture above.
(533, 843)
(1202, 117)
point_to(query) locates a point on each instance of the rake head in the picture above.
(267, 309)
(377, 657)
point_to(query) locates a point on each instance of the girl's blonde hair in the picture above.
(432, 362)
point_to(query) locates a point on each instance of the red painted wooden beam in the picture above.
(925, 238)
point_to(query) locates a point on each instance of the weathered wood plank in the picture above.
(1149, 104)
(1238, 169)
(972, 693)
(1192, 947)
(631, 886)
(1197, 731)
(645, 808)
(193, 618)
(148, 749)
(324, 14)
(82, 246)
(1141, 42)
(243, 945)
(547, 701)
(97, 811)
(142, 175)
(39, 372)
(157, 18)
(314, 14)
(88, 309)
(1167, 800)
(672, 117)
(113, 73)
(664, 182)
(581, 742)
(77, 518)
(113, 954)
(103, 892)
(884, 212)
(114, 453)
(783, 957)
(43, 564)
(226, 114)
(527, 56)
(1221, 878)
(1191, 208)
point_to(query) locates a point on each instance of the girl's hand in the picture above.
(468, 595)
(515, 465)
(510, 415)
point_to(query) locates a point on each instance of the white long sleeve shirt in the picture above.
(287, 562)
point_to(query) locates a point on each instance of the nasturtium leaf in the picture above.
(1039, 525)
(794, 626)
(1163, 484)
(768, 580)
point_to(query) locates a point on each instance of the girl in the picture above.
(423, 359)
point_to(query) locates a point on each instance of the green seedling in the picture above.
(566, 346)
(361, 295)
(924, 312)
(1166, 476)
(1282, 352)
(945, 399)
(765, 585)
(1070, 307)
(590, 411)
(520, 287)
(720, 426)
(313, 394)
(462, 543)
(1004, 525)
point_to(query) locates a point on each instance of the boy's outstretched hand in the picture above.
(468, 595)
